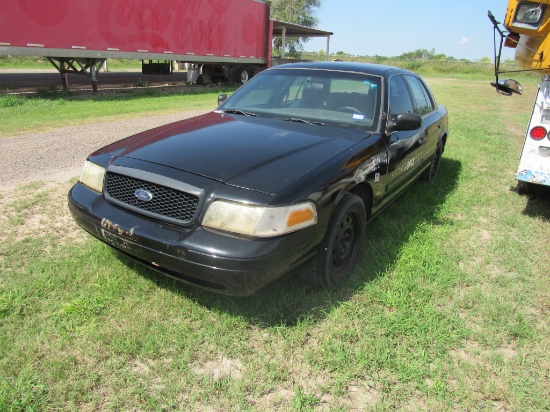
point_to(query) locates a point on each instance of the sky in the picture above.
(460, 29)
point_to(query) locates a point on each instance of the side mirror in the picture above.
(222, 98)
(404, 121)
(507, 87)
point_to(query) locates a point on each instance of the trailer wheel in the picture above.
(239, 74)
(253, 71)
(204, 80)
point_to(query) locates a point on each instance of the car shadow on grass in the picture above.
(289, 301)
(538, 204)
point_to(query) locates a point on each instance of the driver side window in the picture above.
(400, 100)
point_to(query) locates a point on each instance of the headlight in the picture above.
(259, 221)
(529, 13)
(92, 176)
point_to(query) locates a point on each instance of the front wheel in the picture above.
(340, 248)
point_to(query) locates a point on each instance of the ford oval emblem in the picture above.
(143, 195)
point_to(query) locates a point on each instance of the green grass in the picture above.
(447, 309)
(38, 62)
(56, 108)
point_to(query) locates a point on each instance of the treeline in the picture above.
(428, 62)
(416, 55)
(425, 54)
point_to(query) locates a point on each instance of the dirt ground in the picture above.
(57, 155)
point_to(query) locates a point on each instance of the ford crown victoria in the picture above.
(283, 176)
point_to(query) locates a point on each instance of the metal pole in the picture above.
(64, 75)
(93, 71)
(284, 44)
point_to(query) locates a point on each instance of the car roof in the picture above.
(367, 68)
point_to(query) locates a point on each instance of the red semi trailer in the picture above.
(228, 39)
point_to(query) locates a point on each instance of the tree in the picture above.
(418, 54)
(302, 12)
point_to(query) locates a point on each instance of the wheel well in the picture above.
(444, 141)
(364, 191)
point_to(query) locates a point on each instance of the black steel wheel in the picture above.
(431, 172)
(340, 248)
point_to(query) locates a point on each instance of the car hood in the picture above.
(260, 154)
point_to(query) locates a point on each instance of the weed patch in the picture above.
(11, 101)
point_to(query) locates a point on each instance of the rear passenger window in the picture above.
(400, 100)
(423, 103)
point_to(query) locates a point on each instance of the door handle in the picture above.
(422, 138)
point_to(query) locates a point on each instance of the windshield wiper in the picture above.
(298, 120)
(238, 111)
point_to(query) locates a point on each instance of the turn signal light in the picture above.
(297, 217)
(538, 133)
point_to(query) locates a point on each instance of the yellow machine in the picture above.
(528, 24)
(527, 29)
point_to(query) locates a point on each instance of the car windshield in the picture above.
(318, 97)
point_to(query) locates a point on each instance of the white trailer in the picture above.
(534, 162)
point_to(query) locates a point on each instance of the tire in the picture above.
(239, 75)
(204, 80)
(431, 172)
(524, 188)
(341, 245)
(253, 71)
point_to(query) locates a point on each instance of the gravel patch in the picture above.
(58, 155)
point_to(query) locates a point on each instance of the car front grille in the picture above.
(166, 203)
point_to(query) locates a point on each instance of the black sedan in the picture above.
(283, 176)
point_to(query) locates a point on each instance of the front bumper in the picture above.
(215, 261)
